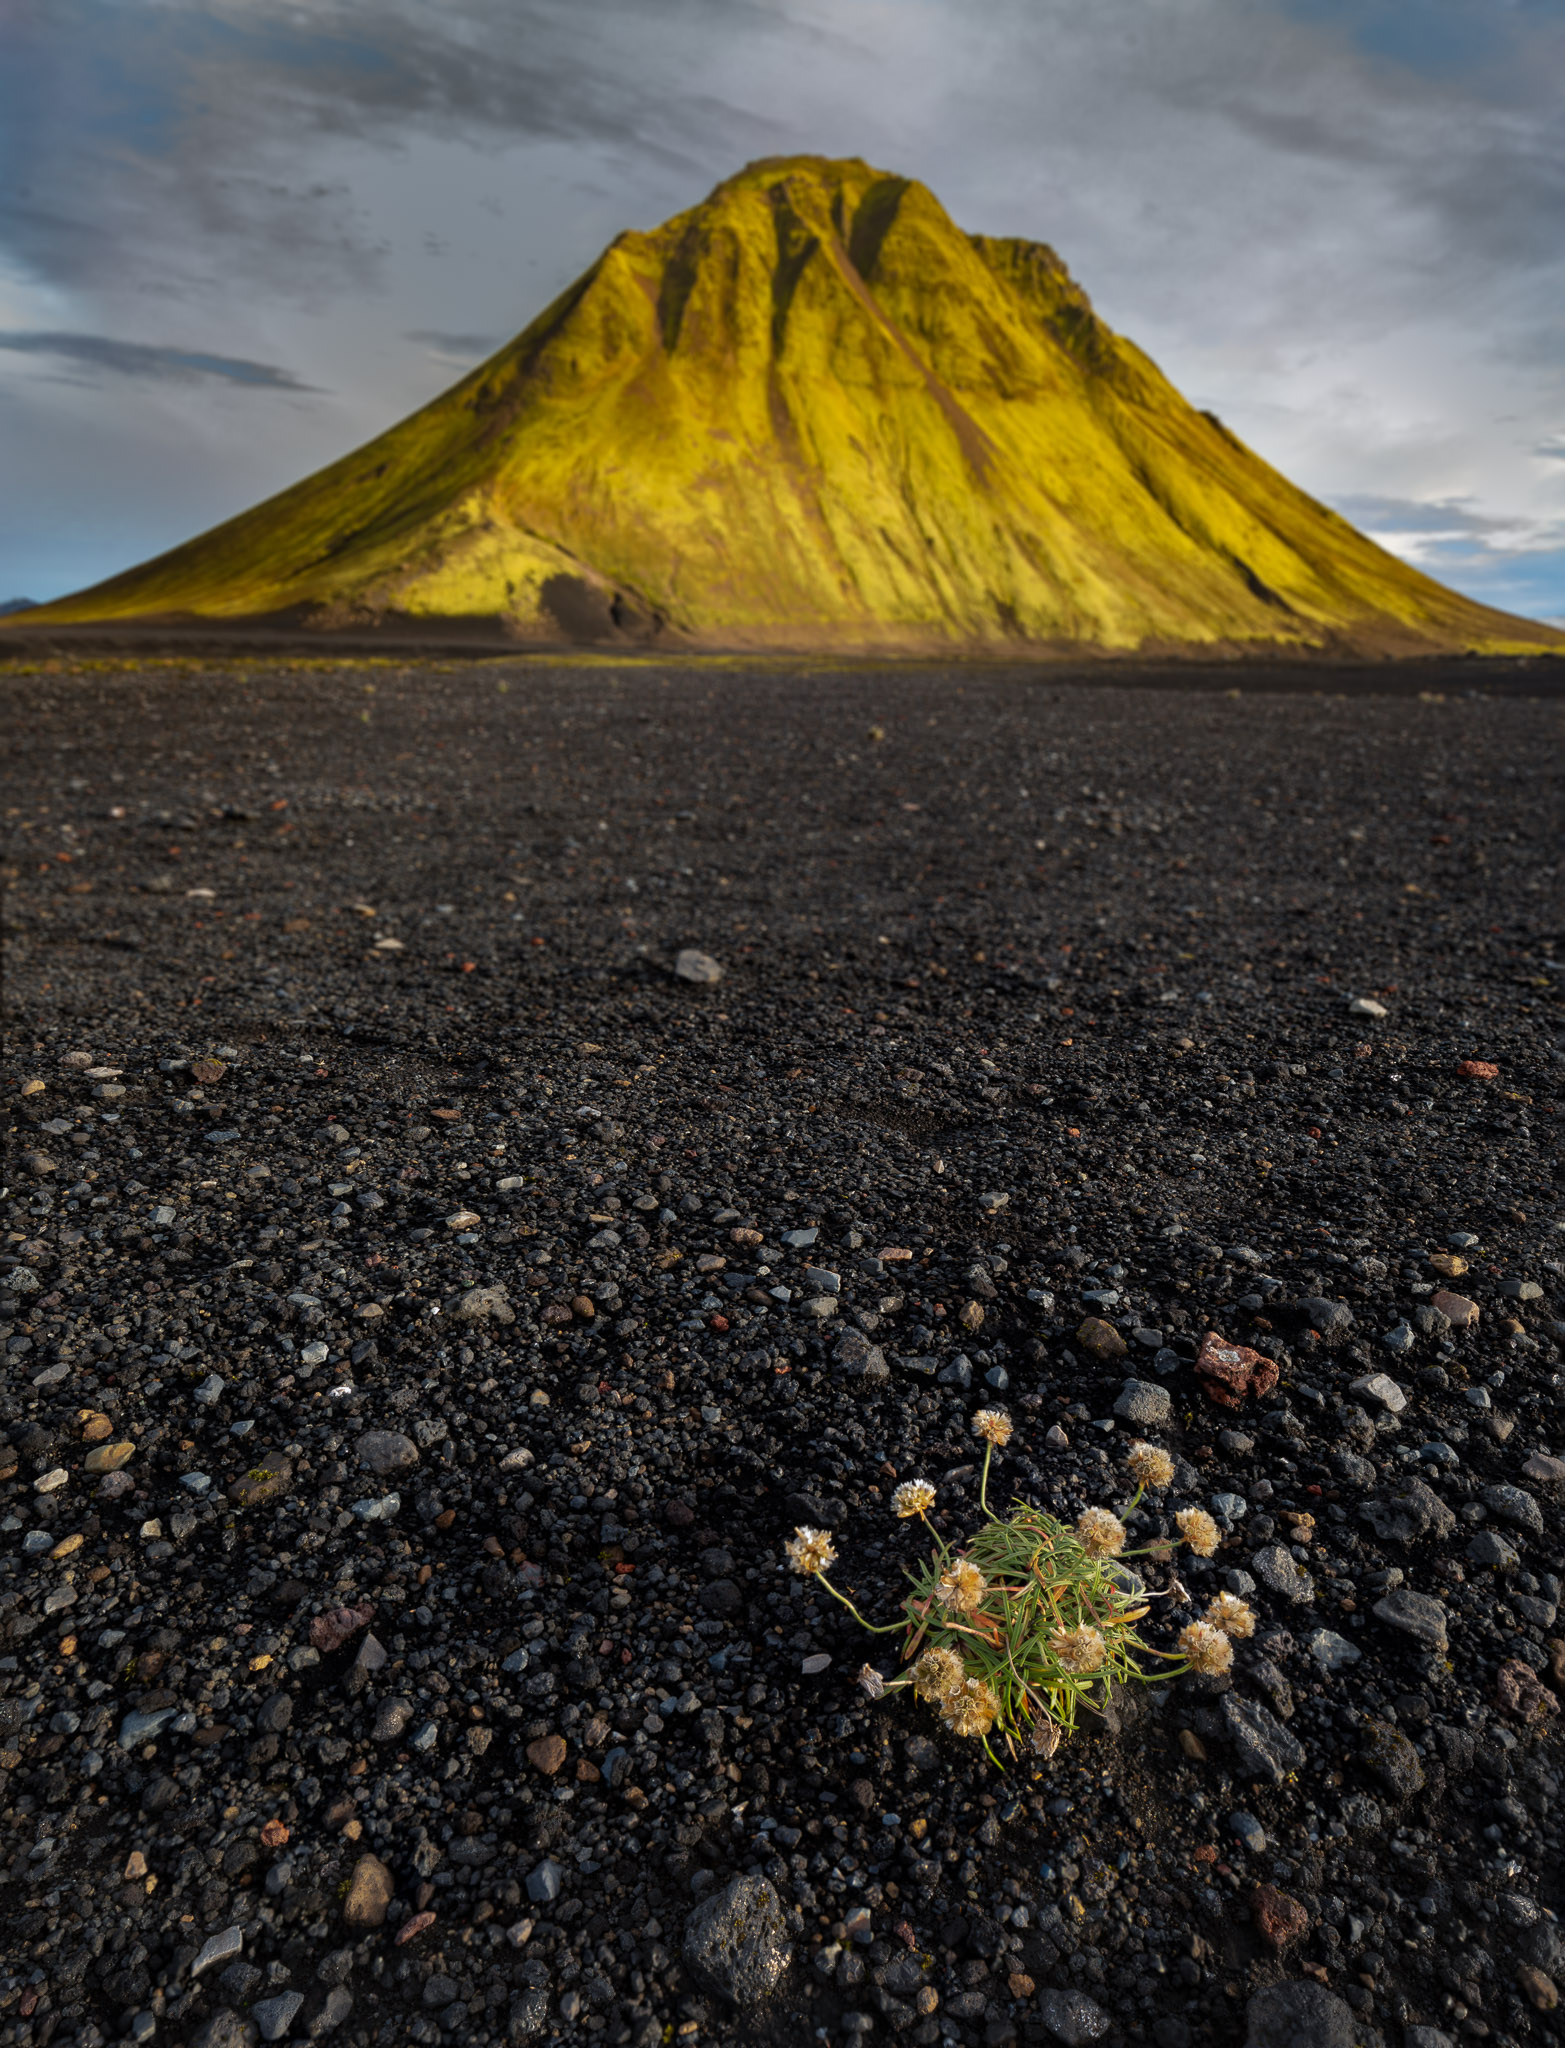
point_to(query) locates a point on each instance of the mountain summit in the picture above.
(812, 412)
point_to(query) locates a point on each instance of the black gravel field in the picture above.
(428, 1315)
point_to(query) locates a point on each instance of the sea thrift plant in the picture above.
(1009, 1633)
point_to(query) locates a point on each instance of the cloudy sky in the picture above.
(239, 236)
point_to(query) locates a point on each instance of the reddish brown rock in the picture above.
(331, 1630)
(1556, 1663)
(1456, 1308)
(1518, 1691)
(1478, 1070)
(547, 1754)
(1278, 1917)
(1228, 1372)
(679, 1514)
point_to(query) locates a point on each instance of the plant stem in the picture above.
(983, 1484)
(885, 1628)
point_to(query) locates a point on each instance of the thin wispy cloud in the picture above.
(100, 352)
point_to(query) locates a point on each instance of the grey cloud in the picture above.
(470, 347)
(1444, 516)
(143, 359)
(1552, 449)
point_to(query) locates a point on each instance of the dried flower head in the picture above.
(1230, 1614)
(1045, 1737)
(994, 1426)
(970, 1709)
(872, 1682)
(1151, 1467)
(962, 1585)
(1100, 1533)
(1206, 1649)
(1198, 1529)
(938, 1672)
(810, 1551)
(913, 1497)
(1078, 1650)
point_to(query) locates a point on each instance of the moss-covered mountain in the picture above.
(812, 412)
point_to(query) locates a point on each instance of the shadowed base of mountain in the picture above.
(140, 646)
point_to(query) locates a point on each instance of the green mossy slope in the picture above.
(812, 412)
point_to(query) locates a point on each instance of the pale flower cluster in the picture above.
(1206, 1649)
(970, 1708)
(962, 1585)
(994, 1426)
(912, 1497)
(1150, 1467)
(1079, 1650)
(1198, 1529)
(810, 1551)
(1100, 1533)
(1230, 1614)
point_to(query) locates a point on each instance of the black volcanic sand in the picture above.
(1081, 945)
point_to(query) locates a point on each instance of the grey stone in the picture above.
(222, 1948)
(1413, 1511)
(1521, 1290)
(856, 1358)
(1331, 1651)
(1490, 1547)
(1416, 1615)
(722, 1598)
(1538, 1613)
(1332, 1319)
(337, 2006)
(274, 2016)
(1072, 2017)
(1426, 2037)
(529, 2015)
(391, 1719)
(239, 1983)
(1247, 1829)
(543, 1884)
(1360, 1811)
(145, 1727)
(736, 1941)
(1393, 1759)
(1263, 1746)
(690, 964)
(1299, 2014)
(225, 2029)
(1353, 1470)
(1399, 1339)
(275, 1713)
(1379, 1386)
(1144, 1404)
(386, 1451)
(1543, 1945)
(1513, 1504)
(483, 1304)
(1280, 1574)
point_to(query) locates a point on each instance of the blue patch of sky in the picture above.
(1435, 38)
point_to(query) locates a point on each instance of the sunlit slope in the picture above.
(811, 411)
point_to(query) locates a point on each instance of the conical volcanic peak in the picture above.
(812, 412)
